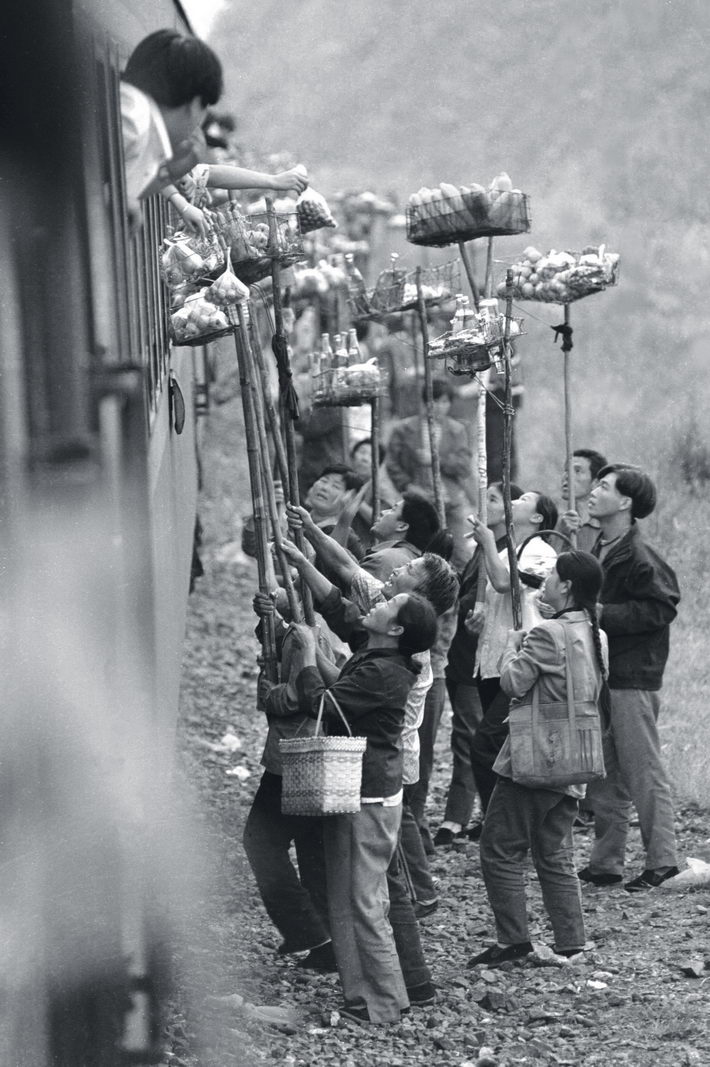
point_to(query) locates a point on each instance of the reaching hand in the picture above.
(291, 179)
(570, 522)
(294, 555)
(299, 518)
(263, 604)
(480, 532)
(196, 220)
(474, 620)
(303, 636)
(515, 638)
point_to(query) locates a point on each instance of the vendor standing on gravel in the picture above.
(371, 692)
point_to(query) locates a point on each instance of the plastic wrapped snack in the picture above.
(313, 211)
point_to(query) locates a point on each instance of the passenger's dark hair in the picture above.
(595, 459)
(351, 479)
(547, 508)
(585, 575)
(417, 617)
(173, 69)
(439, 387)
(421, 517)
(440, 585)
(634, 483)
(381, 451)
(442, 544)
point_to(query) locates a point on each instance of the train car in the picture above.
(98, 494)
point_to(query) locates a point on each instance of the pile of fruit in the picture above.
(197, 318)
(561, 277)
(313, 212)
(451, 213)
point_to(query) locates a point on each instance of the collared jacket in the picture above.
(455, 459)
(639, 600)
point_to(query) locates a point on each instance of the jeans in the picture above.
(489, 737)
(467, 715)
(296, 903)
(519, 820)
(358, 850)
(634, 773)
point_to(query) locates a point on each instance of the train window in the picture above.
(141, 333)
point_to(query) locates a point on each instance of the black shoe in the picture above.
(287, 949)
(584, 819)
(568, 953)
(444, 836)
(474, 832)
(422, 910)
(361, 1016)
(601, 879)
(650, 880)
(320, 959)
(495, 955)
(420, 996)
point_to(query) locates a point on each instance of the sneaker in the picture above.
(444, 836)
(422, 910)
(320, 959)
(497, 954)
(600, 879)
(421, 996)
(650, 880)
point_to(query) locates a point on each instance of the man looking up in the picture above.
(402, 533)
(639, 598)
(587, 464)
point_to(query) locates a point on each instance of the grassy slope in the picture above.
(596, 110)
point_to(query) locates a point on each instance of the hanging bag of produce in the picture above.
(227, 290)
(313, 211)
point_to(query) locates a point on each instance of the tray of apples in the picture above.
(563, 277)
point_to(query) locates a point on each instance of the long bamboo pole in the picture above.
(431, 423)
(375, 435)
(287, 395)
(271, 413)
(270, 658)
(507, 447)
(269, 491)
(466, 260)
(569, 457)
(481, 441)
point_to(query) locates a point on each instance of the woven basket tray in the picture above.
(448, 220)
(321, 775)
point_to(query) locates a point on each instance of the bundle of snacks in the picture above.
(562, 277)
(449, 213)
(396, 290)
(251, 247)
(476, 345)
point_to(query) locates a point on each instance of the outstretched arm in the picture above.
(225, 176)
(334, 555)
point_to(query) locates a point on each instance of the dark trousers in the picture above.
(489, 737)
(296, 902)
(412, 855)
(467, 715)
(405, 926)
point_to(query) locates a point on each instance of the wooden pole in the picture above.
(269, 492)
(466, 260)
(428, 384)
(375, 436)
(507, 443)
(489, 270)
(270, 658)
(569, 458)
(287, 394)
(271, 414)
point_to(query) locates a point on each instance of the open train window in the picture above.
(140, 333)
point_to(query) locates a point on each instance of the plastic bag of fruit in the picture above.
(313, 211)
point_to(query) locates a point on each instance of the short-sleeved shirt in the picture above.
(146, 144)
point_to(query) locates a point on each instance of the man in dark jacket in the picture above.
(639, 600)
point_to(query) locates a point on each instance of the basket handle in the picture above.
(327, 692)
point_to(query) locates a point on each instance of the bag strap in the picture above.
(327, 692)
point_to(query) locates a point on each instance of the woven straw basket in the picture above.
(322, 775)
